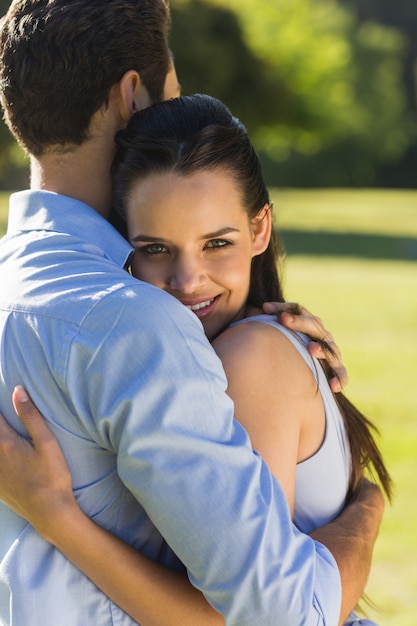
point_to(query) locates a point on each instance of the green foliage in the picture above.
(347, 76)
(323, 87)
(212, 56)
(321, 93)
(14, 164)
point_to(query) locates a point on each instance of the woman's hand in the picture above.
(322, 345)
(34, 477)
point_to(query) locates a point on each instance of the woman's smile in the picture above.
(201, 308)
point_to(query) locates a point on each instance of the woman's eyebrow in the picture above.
(216, 233)
(147, 238)
(220, 233)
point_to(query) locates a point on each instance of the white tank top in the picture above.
(321, 480)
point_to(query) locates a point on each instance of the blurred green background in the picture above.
(351, 257)
(327, 89)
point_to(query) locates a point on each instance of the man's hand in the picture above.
(322, 345)
(34, 478)
(351, 538)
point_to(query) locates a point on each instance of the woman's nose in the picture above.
(187, 276)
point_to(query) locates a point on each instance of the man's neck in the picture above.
(84, 171)
(83, 174)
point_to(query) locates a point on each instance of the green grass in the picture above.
(371, 307)
(351, 258)
(370, 304)
(3, 211)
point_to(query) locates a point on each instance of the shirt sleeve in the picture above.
(156, 392)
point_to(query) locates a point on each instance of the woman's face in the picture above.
(193, 238)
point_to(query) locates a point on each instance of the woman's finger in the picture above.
(30, 417)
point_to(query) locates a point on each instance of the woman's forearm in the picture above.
(151, 594)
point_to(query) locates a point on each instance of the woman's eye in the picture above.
(153, 248)
(218, 243)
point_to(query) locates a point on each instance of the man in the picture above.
(142, 414)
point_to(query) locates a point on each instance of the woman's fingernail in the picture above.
(21, 394)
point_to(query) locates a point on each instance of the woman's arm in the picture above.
(275, 397)
(151, 594)
(36, 483)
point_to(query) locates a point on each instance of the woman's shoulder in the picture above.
(258, 329)
(249, 333)
(263, 343)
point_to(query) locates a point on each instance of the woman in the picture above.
(189, 186)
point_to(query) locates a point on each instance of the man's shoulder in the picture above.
(140, 304)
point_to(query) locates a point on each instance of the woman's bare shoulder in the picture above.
(254, 336)
(258, 348)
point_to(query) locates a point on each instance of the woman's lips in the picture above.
(201, 307)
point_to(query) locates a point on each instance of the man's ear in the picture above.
(133, 95)
(261, 226)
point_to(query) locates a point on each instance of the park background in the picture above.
(327, 89)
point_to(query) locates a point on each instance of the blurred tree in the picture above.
(319, 84)
(334, 84)
(212, 56)
(403, 16)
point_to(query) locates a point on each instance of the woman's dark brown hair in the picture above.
(197, 133)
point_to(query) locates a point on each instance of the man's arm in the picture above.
(351, 539)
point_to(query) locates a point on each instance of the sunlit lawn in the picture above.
(370, 304)
(3, 212)
(365, 290)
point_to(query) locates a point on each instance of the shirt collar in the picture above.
(45, 210)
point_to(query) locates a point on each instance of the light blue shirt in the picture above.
(136, 396)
